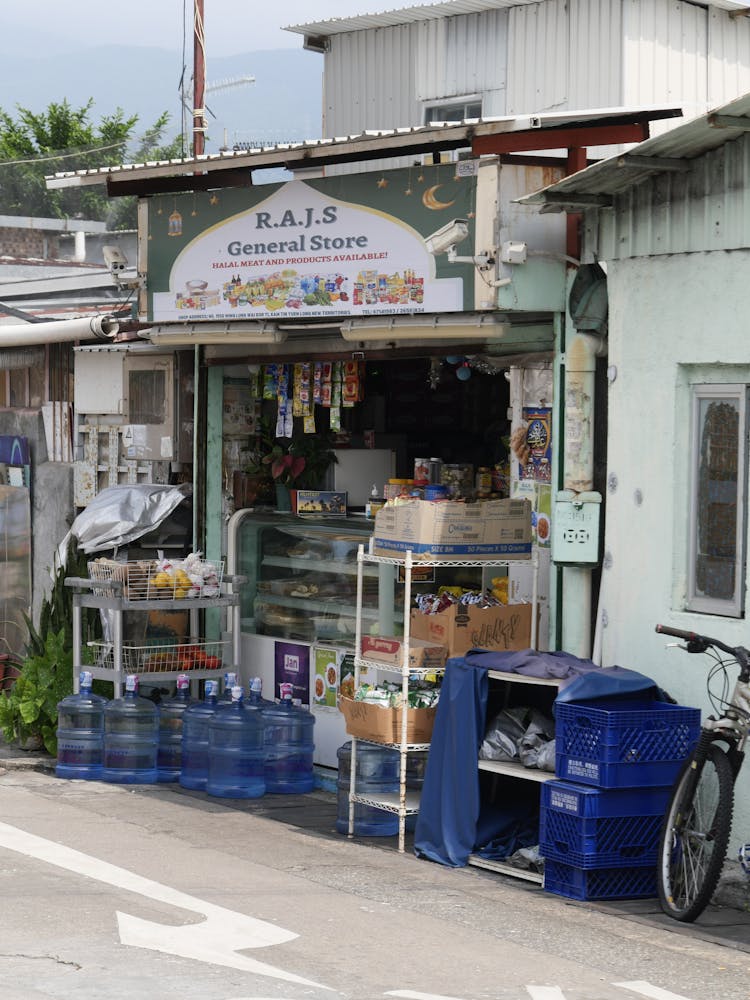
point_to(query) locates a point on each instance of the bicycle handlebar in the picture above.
(678, 633)
(699, 644)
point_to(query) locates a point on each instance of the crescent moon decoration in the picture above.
(430, 201)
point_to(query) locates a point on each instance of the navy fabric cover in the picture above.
(452, 823)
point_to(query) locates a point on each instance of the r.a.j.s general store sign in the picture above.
(343, 246)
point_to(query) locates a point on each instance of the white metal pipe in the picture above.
(58, 331)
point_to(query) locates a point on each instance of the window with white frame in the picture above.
(455, 110)
(716, 579)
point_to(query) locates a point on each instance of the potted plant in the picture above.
(285, 467)
(301, 463)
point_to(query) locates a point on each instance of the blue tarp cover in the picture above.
(452, 821)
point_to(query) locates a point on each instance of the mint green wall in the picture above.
(674, 320)
(214, 486)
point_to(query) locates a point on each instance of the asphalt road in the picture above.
(153, 892)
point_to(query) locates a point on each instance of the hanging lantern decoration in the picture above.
(463, 372)
(175, 224)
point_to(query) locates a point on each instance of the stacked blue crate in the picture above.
(600, 820)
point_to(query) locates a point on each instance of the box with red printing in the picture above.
(424, 653)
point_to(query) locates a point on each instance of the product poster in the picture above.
(531, 444)
(325, 247)
(326, 674)
(292, 666)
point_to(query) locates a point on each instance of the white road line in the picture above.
(216, 940)
(652, 992)
(545, 993)
(411, 995)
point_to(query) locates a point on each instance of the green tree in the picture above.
(62, 138)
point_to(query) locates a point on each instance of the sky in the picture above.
(231, 26)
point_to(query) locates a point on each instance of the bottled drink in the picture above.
(80, 732)
(131, 737)
(171, 714)
(378, 771)
(289, 746)
(235, 751)
(195, 719)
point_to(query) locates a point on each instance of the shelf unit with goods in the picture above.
(405, 803)
(116, 656)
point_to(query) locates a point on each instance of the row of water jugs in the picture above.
(226, 746)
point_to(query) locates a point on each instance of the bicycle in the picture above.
(695, 833)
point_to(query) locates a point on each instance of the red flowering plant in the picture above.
(285, 466)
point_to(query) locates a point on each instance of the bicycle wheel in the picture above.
(694, 837)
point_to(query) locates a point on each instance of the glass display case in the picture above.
(302, 576)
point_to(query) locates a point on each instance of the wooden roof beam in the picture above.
(560, 138)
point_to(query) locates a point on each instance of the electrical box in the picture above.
(575, 528)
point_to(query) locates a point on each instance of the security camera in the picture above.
(114, 258)
(447, 236)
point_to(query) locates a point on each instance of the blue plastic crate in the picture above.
(599, 883)
(597, 827)
(620, 744)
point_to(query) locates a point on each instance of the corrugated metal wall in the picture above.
(705, 209)
(556, 55)
(665, 52)
(538, 39)
(728, 57)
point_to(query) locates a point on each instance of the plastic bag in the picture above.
(533, 746)
(502, 735)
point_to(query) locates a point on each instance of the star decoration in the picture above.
(159, 210)
(213, 200)
(420, 179)
(382, 183)
(408, 191)
(193, 212)
(471, 215)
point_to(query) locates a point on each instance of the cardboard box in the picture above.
(383, 725)
(423, 653)
(486, 530)
(464, 627)
(319, 502)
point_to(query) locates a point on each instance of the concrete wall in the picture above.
(16, 242)
(52, 509)
(670, 326)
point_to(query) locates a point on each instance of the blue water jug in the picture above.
(80, 732)
(289, 746)
(235, 751)
(171, 713)
(378, 770)
(131, 737)
(195, 719)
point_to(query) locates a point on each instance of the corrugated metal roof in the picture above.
(404, 15)
(364, 146)
(428, 12)
(597, 185)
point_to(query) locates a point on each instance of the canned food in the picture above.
(421, 470)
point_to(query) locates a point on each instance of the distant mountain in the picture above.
(284, 103)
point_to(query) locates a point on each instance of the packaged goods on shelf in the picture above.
(485, 530)
(383, 725)
(461, 627)
(163, 579)
(423, 653)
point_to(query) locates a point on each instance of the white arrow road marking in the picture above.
(215, 940)
(545, 993)
(647, 990)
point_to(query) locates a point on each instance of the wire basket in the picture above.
(160, 657)
(148, 580)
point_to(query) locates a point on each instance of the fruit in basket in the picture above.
(213, 662)
(162, 580)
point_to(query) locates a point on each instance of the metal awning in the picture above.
(558, 130)
(433, 11)
(598, 185)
